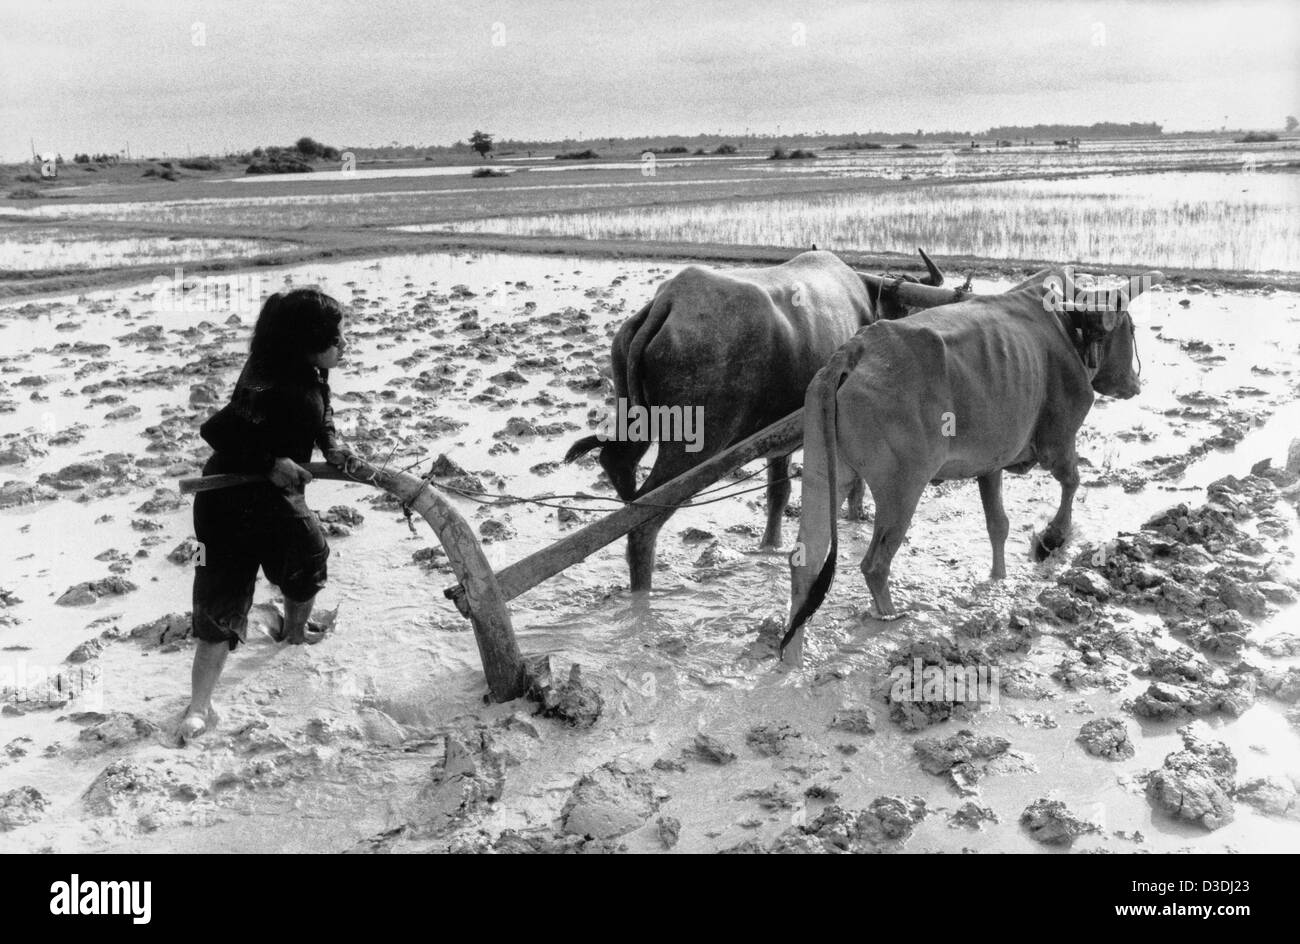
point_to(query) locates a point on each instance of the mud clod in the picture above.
(970, 815)
(962, 758)
(710, 749)
(574, 702)
(1196, 783)
(772, 740)
(884, 826)
(21, 807)
(610, 801)
(115, 730)
(532, 842)
(1051, 823)
(669, 829)
(172, 628)
(469, 780)
(1106, 737)
(934, 680)
(90, 591)
(775, 797)
(1273, 796)
(854, 720)
(1086, 582)
(126, 785)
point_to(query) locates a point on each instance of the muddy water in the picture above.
(320, 748)
(28, 253)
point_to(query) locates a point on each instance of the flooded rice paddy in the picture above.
(1244, 222)
(378, 738)
(28, 252)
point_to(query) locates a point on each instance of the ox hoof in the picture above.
(1040, 549)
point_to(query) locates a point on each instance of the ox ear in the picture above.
(1106, 320)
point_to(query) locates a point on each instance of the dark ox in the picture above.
(742, 344)
(961, 391)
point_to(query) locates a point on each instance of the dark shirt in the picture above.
(270, 415)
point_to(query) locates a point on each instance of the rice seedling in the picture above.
(1244, 222)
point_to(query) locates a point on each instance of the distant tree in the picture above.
(1291, 123)
(307, 147)
(481, 141)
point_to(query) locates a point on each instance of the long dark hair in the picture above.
(291, 326)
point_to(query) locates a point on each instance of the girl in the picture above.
(279, 410)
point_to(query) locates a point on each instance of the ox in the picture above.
(961, 391)
(739, 345)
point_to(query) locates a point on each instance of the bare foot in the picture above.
(875, 614)
(309, 635)
(196, 723)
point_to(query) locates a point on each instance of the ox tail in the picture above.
(582, 447)
(618, 363)
(818, 525)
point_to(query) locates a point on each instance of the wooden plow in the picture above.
(482, 595)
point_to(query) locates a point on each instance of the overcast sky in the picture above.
(92, 75)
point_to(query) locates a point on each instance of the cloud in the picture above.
(91, 75)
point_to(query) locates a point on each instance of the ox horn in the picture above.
(1104, 306)
(911, 296)
(907, 294)
(935, 276)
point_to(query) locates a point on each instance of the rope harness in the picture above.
(548, 500)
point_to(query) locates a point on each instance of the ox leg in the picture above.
(619, 460)
(641, 552)
(641, 540)
(893, 517)
(1058, 529)
(857, 494)
(995, 517)
(778, 496)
